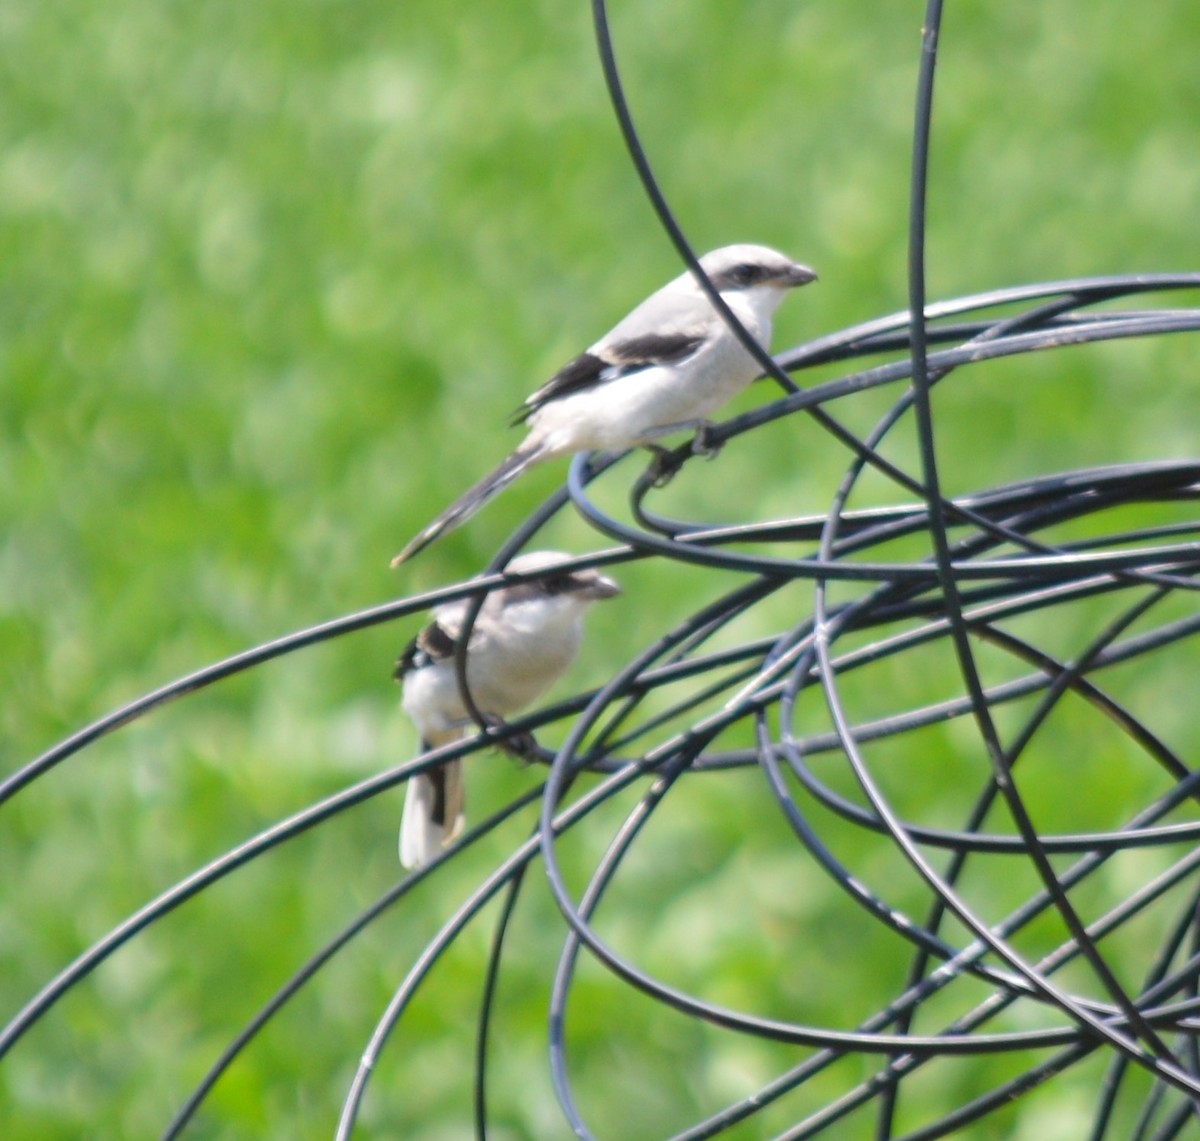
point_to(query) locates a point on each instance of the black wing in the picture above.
(432, 644)
(588, 370)
(655, 348)
(584, 372)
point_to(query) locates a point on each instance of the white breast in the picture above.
(628, 410)
(509, 669)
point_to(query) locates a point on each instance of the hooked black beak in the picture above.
(799, 275)
(601, 586)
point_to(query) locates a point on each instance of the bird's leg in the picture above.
(667, 462)
(663, 466)
(703, 443)
(522, 745)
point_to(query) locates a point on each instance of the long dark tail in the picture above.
(467, 504)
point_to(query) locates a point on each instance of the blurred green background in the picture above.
(273, 276)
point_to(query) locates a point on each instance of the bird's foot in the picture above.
(664, 465)
(521, 745)
(668, 461)
(703, 442)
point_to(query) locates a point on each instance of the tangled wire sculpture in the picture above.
(1019, 927)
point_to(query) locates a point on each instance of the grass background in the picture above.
(273, 277)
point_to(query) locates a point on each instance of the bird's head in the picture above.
(561, 588)
(757, 270)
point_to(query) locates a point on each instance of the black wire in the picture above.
(795, 615)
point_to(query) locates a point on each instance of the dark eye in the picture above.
(558, 584)
(745, 274)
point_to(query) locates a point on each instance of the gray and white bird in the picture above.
(664, 368)
(524, 638)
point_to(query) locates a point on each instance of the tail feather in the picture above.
(434, 813)
(471, 501)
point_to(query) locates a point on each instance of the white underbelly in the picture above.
(632, 409)
(503, 680)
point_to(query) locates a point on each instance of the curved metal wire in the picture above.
(1011, 934)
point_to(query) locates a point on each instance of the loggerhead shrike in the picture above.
(664, 368)
(524, 638)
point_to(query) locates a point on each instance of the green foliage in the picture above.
(274, 274)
